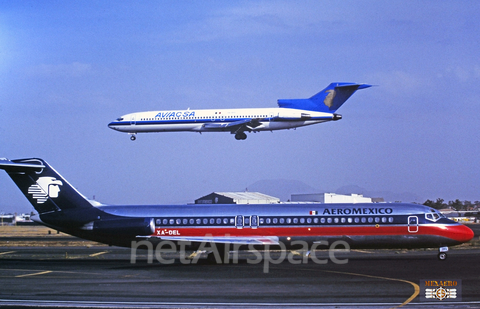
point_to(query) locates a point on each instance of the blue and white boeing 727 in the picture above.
(291, 113)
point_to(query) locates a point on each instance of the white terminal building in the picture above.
(331, 198)
(260, 198)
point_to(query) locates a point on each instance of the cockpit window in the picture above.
(120, 119)
(434, 215)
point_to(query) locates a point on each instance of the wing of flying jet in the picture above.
(237, 127)
(246, 240)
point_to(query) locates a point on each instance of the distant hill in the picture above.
(284, 188)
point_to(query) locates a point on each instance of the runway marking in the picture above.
(8, 252)
(362, 251)
(34, 274)
(415, 286)
(98, 253)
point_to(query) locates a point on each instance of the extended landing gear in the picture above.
(133, 137)
(442, 255)
(240, 136)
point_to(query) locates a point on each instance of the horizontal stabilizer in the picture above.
(11, 166)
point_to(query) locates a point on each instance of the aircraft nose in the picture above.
(462, 233)
(112, 125)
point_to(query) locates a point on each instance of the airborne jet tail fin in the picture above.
(328, 100)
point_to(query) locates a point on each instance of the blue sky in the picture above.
(68, 68)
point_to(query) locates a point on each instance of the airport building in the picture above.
(331, 198)
(237, 198)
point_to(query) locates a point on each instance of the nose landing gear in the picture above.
(442, 254)
(133, 137)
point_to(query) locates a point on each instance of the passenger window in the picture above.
(364, 219)
(212, 221)
(384, 220)
(350, 220)
(179, 221)
(322, 220)
(219, 221)
(261, 220)
(329, 220)
(357, 220)
(309, 220)
(268, 220)
(165, 221)
(199, 221)
(171, 221)
(246, 221)
(275, 220)
(205, 221)
(191, 221)
(315, 220)
(335, 220)
(302, 220)
(295, 220)
(282, 220)
(343, 220)
(225, 221)
(377, 220)
(158, 222)
(390, 219)
(370, 220)
(289, 220)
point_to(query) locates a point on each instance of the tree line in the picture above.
(457, 204)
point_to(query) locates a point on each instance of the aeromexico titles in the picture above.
(291, 113)
(386, 225)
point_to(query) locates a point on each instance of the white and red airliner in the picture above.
(291, 113)
(386, 225)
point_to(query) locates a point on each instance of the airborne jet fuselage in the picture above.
(291, 113)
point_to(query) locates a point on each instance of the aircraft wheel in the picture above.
(133, 137)
(240, 136)
(442, 256)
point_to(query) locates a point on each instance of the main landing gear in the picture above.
(442, 254)
(240, 136)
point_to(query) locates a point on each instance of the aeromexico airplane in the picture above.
(61, 207)
(290, 114)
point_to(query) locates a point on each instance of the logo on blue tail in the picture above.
(44, 188)
(329, 99)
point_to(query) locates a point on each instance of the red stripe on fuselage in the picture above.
(455, 232)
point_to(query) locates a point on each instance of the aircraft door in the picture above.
(133, 120)
(254, 222)
(239, 222)
(412, 224)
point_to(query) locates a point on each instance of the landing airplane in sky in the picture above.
(385, 225)
(290, 114)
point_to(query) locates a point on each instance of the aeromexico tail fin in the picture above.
(328, 100)
(44, 188)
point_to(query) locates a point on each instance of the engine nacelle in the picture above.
(127, 227)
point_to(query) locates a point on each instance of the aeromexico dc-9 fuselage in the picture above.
(385, 225)
(291, 113)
